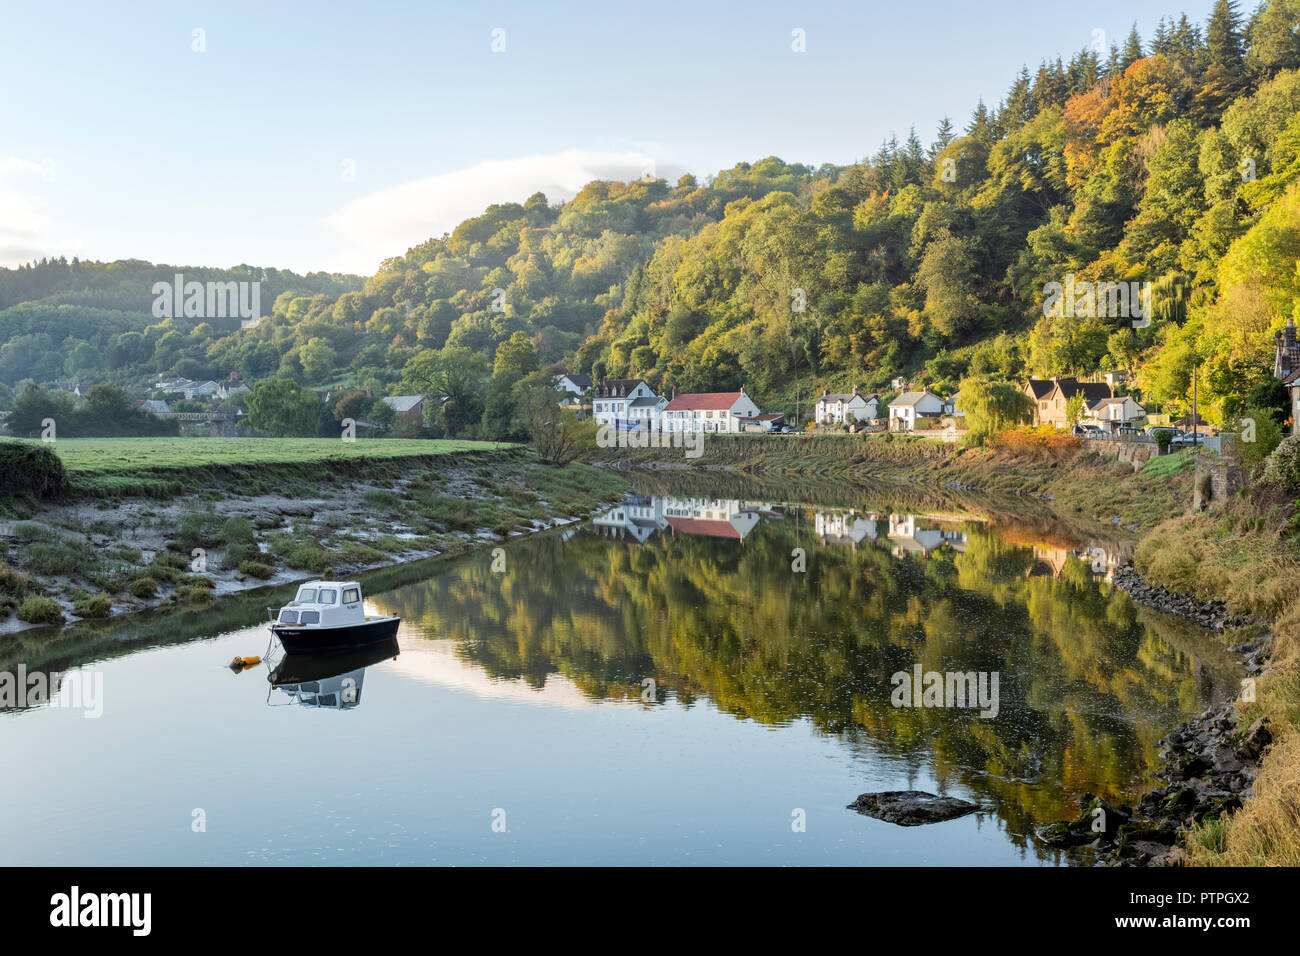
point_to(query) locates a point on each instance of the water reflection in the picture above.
(685, 598)
(331, 681)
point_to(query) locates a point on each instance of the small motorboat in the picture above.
(328, 616)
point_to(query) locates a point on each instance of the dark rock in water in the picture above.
(910, 808)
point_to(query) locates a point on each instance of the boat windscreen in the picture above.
(307, 596)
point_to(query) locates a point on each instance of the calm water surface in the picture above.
(655, 686)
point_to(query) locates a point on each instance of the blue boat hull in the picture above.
(313, 640)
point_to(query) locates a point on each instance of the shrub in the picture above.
(1267, 437)
(240, 541)
(40, 610)
(1045, 441)
(58, 558)
(13, 585)
(1282, 468)
(256, 569)
(100, 605)
(31, 468)
(144, 587)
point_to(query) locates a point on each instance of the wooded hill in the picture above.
(1172, 160)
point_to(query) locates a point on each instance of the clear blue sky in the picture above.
(118, 140)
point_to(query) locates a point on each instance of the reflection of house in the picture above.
(906, 410)
(906, 538)
(842, 408)
(716, 518)
(848, 528)
(636, 518)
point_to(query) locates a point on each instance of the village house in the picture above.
(722, 412)
(950, 405)
(910, 407)
(626, 404)
(1109, 414)
(200, 390)
(574, 387)
(843, 408)
(1051, 398)
(231, 386)
(1286, 368)
(407, 408)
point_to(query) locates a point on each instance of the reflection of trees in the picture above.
(1087, 687)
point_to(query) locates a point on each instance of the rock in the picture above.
(1254, 741)
(910, 808)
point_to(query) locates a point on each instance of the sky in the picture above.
(327, 137)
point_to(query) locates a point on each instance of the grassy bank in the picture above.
(1248, 554)
(1080, 483)
(227, 524)
(164, 467)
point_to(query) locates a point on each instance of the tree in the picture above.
(282, 407)
(991, 407)
(556, 432)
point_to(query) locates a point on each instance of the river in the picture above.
(688, 678)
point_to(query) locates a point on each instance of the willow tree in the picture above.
(991, 407)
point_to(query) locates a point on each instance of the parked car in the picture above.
(1187, 440)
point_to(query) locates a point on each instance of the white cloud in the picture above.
(390, 221)
(25, 224)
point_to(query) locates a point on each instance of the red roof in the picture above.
(704, 401)
(718, 529)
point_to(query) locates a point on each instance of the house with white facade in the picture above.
(910, 407)
(574, 387)
(636, 519)
(844, 408)
(722, 412)
(626, 404)
(846, 527)
(1118, 411)
(715, 517)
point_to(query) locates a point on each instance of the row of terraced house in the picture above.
(630, 404)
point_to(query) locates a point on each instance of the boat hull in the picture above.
(315, 640)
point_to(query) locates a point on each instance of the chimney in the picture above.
(1288, 334)
(855, 390)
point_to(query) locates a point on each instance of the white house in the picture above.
(851, 528)
(714, 517)
(626, 404)
(908, 408)
(842, 408)
(204, 390)
(1113, 413)
(575, 387)
(722, 412)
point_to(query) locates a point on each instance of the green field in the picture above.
(135, 455)
(165, 467)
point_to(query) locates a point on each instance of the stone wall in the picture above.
(1135, 453)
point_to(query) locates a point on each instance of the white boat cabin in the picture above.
(325, 604)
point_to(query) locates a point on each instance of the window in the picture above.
(310, 617)
(351, 595)
(307, 596)
(288, 617)
(328, 596)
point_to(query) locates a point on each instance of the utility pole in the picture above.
(1195, 417)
